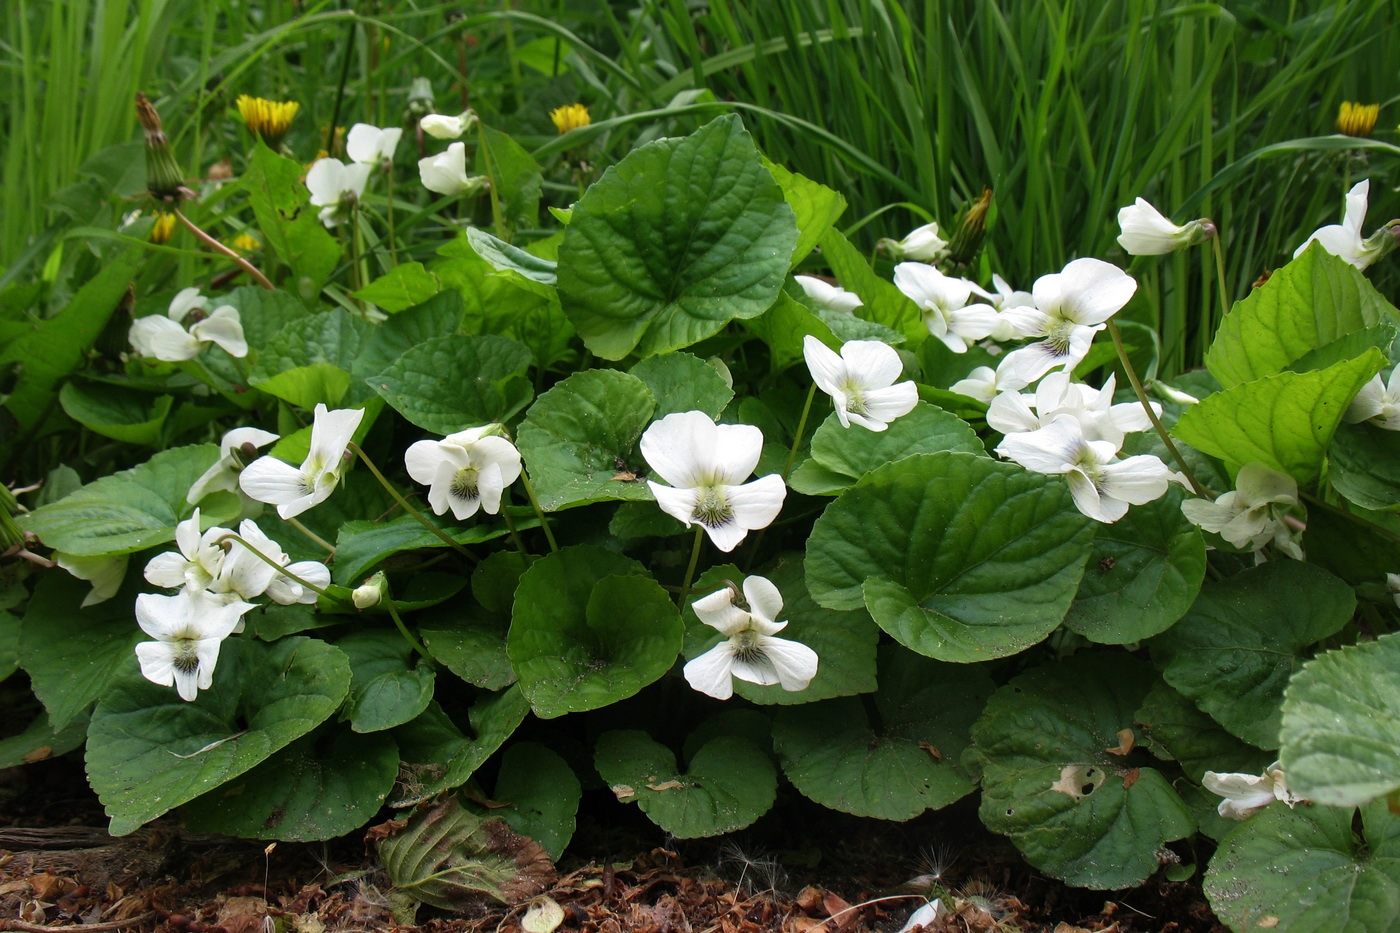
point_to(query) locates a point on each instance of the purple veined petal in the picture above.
(885, 405)
(754, 667)
(269, 480)
(827, 368)
(764, 599)
(872, 364)
(718, 611)
(794, 663)
(726, 534)
(680, 448)
(680, 504)
(711, 672)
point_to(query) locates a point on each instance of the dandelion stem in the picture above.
(690, 569)
(215, 245)
(403, 503)
(1219, 252)
(801, 427)
(1151, 414)
(535, 504)
(403, 629)
(330, 548)
(319, 591)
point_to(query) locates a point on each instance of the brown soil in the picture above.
(802, 869)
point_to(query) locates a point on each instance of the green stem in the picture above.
(330, 548)
(1312, 500)
(218, 247)
(514, 534)
(1151, 414)
(801, 427)
(535, 504)
(403, 503)
(357, 258)
(393, 247)
(690, 569)
(319, 591)
(403, 629)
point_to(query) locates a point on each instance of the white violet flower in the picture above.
(1070, 307)
(249, 575)
(371, 145)
(828, 295)
(1145, 232)
(238, 445)
(861, 381)
(295, 489)
(1378, 402)
(165, 337)
(104, 573)
(1058, 395)
(749, 650)
(943, 301)
(465, 471)
(336, 187)
(441, 126)
(925, 916)
(1246, 517)
(1102, 487)
(188, 629)
(985, 384)
(923, 244)
(196, 564)
(446, 172)
(1344, 240)
(1247, 794)
(706, 463)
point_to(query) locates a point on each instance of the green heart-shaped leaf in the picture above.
(680, 237)
(959, 557)
(589, 628)
(729, 783)
(1245, 636)
(448, 384)
(149, 751)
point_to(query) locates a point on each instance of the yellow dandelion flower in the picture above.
(1357, 119)
(246, 244)
(266, 118)
(570, 117)
(162, 228)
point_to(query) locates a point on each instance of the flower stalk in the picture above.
(404, 504)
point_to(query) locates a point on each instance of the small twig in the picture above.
(215, 245)
(78, 927)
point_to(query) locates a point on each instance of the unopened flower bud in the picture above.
(1357, 119)
(370, 592)
(163, 177)
(420, 100)
(163, 227)
(971, 230)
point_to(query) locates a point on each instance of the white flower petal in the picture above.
(718, 611)
(828, 369)
(163, 339)
(794, 663)
(269, 480)
(872, 363)
(680, 448)
(224, 328)
(765, 602)
(711, 672)
(326, 180)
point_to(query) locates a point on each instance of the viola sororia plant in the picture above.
(879, 534)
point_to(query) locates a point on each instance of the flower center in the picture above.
(713, 509)
(855, 396)
(1057, 334)
(185, 655)
(747, 646)
(464, 484)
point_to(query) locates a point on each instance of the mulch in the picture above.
(802, 869)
